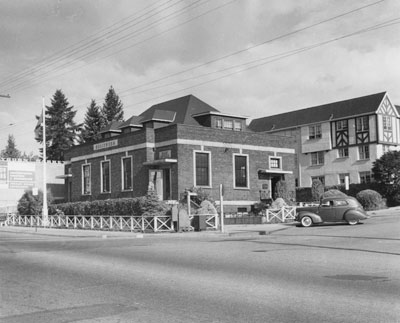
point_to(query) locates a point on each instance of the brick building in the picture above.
(176, 145)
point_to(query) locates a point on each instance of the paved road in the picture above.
(329, 273)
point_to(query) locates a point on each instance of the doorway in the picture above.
(160, 179)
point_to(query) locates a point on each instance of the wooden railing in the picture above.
(97, 222)
(282, 215)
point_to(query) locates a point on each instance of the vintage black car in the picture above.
(333, 209)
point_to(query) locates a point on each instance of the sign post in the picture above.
(221, 205)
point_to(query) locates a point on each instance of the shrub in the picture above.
(371, 200)
(278, 203)
(30, 204)
(317, 189)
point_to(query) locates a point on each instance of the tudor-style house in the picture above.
(176, 145)
(338, 140)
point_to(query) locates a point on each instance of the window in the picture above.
(237, 125)
(385, 148)
(3, 174)
(362, 124)
(315, 132)
(275, 163)
(202, 169)
(342, 125)
(241, 171)
(387, 123)
(218, 123)
(86, 180)
(343, 152)
(318, 178)
(317, 158)
(342, 178)
(363, 152)
(105, 177)
(228, 124)
(126, 173)
(365, 177)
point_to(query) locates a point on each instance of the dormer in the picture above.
(131, 125)
(159, 118)
(219, 120)
(111, 130)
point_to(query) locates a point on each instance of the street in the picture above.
(328, 273)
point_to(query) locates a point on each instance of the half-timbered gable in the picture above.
(388, 129)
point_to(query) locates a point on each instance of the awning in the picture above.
(274, 171)
(158, 162)
(64, 176)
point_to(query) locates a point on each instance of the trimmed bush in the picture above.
(371, 200)
(144, 205)
(317, 189)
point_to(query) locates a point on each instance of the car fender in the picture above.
(315, 218)
(354, 215)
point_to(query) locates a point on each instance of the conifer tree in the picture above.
(11, 150)
(93, 123)
(61, 129)
(112, 108)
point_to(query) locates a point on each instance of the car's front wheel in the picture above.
(306, 221)
(353, 222)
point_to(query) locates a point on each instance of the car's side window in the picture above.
(340, 203)
(327, 204)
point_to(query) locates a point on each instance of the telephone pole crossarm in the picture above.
(5, 96)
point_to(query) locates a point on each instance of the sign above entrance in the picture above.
(106, 144)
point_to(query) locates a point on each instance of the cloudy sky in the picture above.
(247, 57)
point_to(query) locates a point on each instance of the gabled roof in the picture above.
(336, 110)
(183, 109)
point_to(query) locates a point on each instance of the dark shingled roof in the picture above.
(133, 121)
(112, 127)
(336, 110)
(180, 110)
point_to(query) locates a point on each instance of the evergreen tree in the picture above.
(112, 108)
(93, 123)
(61, 129)
(11, 150)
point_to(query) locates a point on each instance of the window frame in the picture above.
(83, 179)
(315, 132)
(365, 175)
(237, 125)
(362, 124)
(123, 177)
(227, 121)
(387, 123)
(106, 161)
(278, 159)
(218, 123)
(247, 186)
(343, 176)
(345, 149)
(342, 125)
(364, 152)
(318, 158)
(195, 152)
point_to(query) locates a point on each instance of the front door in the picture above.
(160, 181)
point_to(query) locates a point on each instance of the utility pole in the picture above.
(5, 96)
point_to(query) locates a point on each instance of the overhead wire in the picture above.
(88, 40)
(102, 48)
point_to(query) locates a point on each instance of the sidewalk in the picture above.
(229, 230)
(234, 230)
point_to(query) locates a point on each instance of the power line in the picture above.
(106, 46)
(75, 47)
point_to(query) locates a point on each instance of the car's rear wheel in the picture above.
(353, 222)
(306, 221)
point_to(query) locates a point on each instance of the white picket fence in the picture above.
(97, 222)
(282, 215)
(102, 222)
